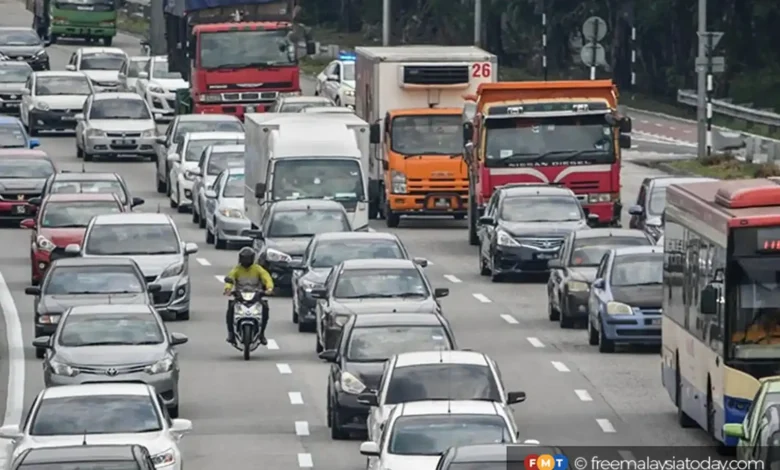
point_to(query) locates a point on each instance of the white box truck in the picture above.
(413, 97)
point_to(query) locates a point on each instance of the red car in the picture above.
(62, 220)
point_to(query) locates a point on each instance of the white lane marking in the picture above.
(305, 461)
(302, 428)
(645, 122)
(605, 425)
(203, 261)
(658, 124)
(220, 279)
(509, 319)
(14, 403)
(560, 366)
(452, 279)
(272, 344)
(295, 398)
(672, 128)
(626, 455)
(688, 131)
(284, 368)
(371, 230)
(482, 298)
(535, 342)
(583, 395)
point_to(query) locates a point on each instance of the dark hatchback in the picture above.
(492, 456)
(23, 172)
(573, 272)
(85, 457)
(524, 227)
(358, 361)
(24, 44)
(91, 182)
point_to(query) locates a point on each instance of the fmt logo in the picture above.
(546, 462)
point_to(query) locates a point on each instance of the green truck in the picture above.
(92, 20)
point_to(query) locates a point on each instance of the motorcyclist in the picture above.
(247, 274)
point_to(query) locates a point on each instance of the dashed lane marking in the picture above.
(560, 366)
(302, 428)
(220, 279)
(645, 122)
(509, 319)
(452, 279)
(203, 261)
(535, 342)
(284, 369)
(272, 344)
(305, 461)
(583, 395)
(482, 298)
(658, 124)
(605, 425)
(295, 398)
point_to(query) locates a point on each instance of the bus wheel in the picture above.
(683, 419)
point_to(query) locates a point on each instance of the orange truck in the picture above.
(566, 133)
(413, 98)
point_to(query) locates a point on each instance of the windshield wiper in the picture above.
(159, 252)
(404, 295)
(86, 292)
(370, 296)
(106, 343)
(296, 235)
(67, 226)
(646, 284)
(138, 343)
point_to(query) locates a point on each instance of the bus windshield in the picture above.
(756, 327)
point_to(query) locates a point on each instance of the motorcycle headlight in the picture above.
(619, 308)
(41, 105)
(577, 286)
(149, 133)
(95, 133)
(156, 89)
(307, 285)
(164, 459)
(276, 255)
(398, 182)
(161, 366)
(59, 368)
(351, 384)
(44, 243)
(173, 270)
(504, 239)
(232, 213)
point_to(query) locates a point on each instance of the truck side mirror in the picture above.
(374, 133)
(624, 141)
(260, 190)
(311, 48)
(468, 132)
(625, 125)
(385, 165)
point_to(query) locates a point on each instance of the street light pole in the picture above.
(544, 39)
(477, 22)
(385, 23)
(701, 108)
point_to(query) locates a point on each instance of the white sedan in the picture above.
(158, 87)
(337, 82)
(70, 415)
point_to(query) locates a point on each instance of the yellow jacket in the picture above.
(251, 277)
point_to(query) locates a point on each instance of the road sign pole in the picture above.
(710, 47)
(633, 56)
(386, 23)
(544, 39)
(595, 39)
(701, 114)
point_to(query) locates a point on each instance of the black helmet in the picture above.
(246, 257)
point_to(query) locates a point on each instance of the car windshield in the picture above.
(637, 270)
(160, 71)
(14, 72)
(435, 382)
(434, 434)
(195, 148)
(135, 67)
(432, 134)
(318, 178)
(224, 160)
(110, 330)
(234, 187)
(12, 136)
(53, 86)
(330, 253)
(135, 239)
(19, 38)
(234, 49)
(377, 344)
(102, 62)
(91, 465)
(91, 186)
(588, 251)
(228, 125)
(95, 414)
(25, 168)
(86, 5)
(75, 214)
(297, 107)
(540, 209)
(375, 283)
(73, 280)
(119, 108)
(307, 223)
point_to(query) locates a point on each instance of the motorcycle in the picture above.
(248, 307)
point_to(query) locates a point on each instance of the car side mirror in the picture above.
(468, 132)
(369, 449)
(708, 303)
(332, 78)
(374, 133)
(35, 201)
(190, 248)
(440, 292)
(32, 291)
(181, 426)
(35, 143)
(626, 125)
(42, 342)
(260, 190)
(296, 265)
(593, 220)
(319, 293)
(70, 67)
(143, 75)
(329, 355)
(73, 249)
(311, 48)
(490, 221)
(174, 158)
(11, 432)
(153, 288)
(137, 201)
(27, 223)
(555, 264)
(178, 338)
(636, 210)
(515, 397)
(210, 194)
(624, 141)
(368, 398)
(161, 140)
(256, 234)
(599, 283)
(79, 116)
(421, 262)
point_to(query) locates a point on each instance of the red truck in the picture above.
(565, 133)
(238, 55)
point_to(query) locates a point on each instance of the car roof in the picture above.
(227, 148)
(338, 236)
(440, 357)
(77, 197)
(206, 117)
(59, 73)
(96, 389)
(609, 232)
(139, 58)
(664, 181)
(306, 204)
(116, 95)
(397, 319)
(32, 153)
(89, 452)
(772, 384)
(214, 135)
(521, 189)
(447, 407)
(85, 176)
(101, 50)
(378, 264)
(96, 261)
(305, 99)
(109, 309)
(132, 218)
(638, 250)
(500, 452)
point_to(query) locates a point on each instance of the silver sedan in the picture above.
(115, 124)
(224, 212)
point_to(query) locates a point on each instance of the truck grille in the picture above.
(252, 96)
(584, 185)
(435, 74)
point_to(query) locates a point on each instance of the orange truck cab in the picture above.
(413, 98)
(566, 133)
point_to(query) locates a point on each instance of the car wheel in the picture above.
(484, 270)
(593, 335)
(605, 344)
(202, 222)
(31, 128)
(40, 353)
(552, 313)
(162, 188)
(88, 157)
(79, 152)
(195, 215)
(209, 236)
(336, 432)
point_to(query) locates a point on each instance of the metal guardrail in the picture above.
(726, 108)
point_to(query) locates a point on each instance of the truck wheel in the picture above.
(107, 41)
(373, 210)
(391, 220)
(53, 38)
(472, 215)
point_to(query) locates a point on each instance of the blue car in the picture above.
(624, 304)
(13, 135)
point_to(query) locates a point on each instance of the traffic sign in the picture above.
(718, 64)
(713, 36)
(593, 54)
(594, 29)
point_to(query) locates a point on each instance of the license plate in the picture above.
(20, 210)
(123, 142)
(656, 322)
(546, 256)
(68, 118)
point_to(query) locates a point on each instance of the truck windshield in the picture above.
(318, 178)
(237, 49)
(756, 326)
(85, 5)
(549, 141)
(426, 135)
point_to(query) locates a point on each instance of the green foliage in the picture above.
(726, 167)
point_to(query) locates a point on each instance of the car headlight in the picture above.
(398, 182)
(619, 308)
(285, 94)
(351, 384)
(504, 239)
(149, 133)
(156, 89)
(349, 92)
(173, 270)
(41, 105)
(164, 459)
(339, 319)
(59, 368)
(307, 285)
(95, 133)
(232, 213)
(44, 243)
(577, 286)
(189, 176)
(161, 366)
(276, 255)
(49, 319)
(41, 53)
(599, 197)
